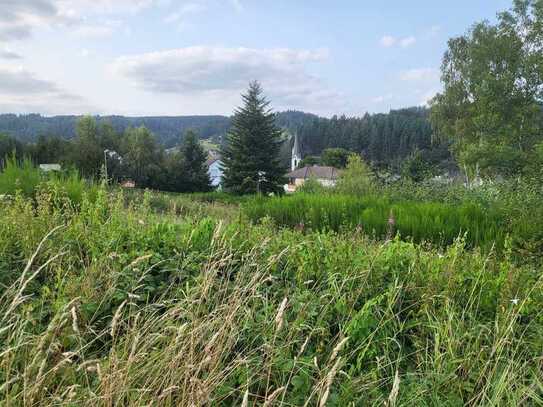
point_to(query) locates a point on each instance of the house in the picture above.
(215, 171)
(50, 167)
(326, 176)
(128, 183)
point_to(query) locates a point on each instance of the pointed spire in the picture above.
(296, 148)
(296, 153)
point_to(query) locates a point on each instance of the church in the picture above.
(326, 176)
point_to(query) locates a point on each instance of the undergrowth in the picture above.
(114, 304)
(434, 222)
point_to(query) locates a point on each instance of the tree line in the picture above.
(385, 140)
(167, 130)
(98, 150)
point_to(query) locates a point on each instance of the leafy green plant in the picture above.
(19, 176)
(114, 303)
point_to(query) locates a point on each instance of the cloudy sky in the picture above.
(178, 57)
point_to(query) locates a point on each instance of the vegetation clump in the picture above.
(110, 304)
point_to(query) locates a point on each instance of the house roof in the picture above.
(315, 171)
(50, 167)
(212, 160)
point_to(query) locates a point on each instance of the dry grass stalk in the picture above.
(116, 318)
(75, 325)
(395, 390)
(245, 402)
(279, 318)
(338, 348)
(328, 383)
(304, 345)
(271, 398)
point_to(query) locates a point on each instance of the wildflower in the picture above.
(515, 301)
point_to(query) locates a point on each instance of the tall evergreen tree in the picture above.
(251, 155)
(195, 176)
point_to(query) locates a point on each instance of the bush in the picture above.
(24, 178)
(357, 178)
(19, 176)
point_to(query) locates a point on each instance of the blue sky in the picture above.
(178, 57)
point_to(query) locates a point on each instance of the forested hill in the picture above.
(380, 138)
(28, 128)
(384, 139)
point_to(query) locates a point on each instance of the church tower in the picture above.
(296, 153)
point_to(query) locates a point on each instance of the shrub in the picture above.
(19, 176)
(357, 178)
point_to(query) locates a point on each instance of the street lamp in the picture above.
(260, 179)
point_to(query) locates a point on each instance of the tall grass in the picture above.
(19, 176)
(111, 305)
(22, 177)
(422, 221)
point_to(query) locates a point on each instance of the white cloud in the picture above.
(85, 7)
(389, 41)
(383, 98)
(407, 41)
(420, 74)
(215, 72)
(21, 91)
(104, 29)
(178, 17)
(8, 53)
(19, 18)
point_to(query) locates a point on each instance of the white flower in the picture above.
(515, 301)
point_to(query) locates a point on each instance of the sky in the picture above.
(185, 57)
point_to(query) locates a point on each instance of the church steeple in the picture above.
(296, 153)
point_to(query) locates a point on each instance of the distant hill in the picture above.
(168, 129)
(27, 128)
(383, 139)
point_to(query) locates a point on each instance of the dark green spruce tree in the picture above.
(195, 176)
(251, 159)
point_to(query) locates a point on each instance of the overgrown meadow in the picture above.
(119, 298)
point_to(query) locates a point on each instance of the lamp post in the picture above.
(105, 163)
(260, 179)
